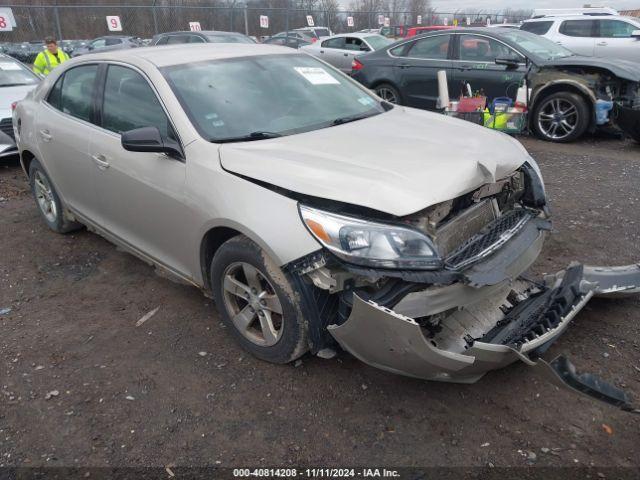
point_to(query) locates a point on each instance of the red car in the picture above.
(413, 31)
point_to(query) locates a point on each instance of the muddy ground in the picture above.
(178, 390)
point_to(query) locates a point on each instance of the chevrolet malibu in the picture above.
(316, 215)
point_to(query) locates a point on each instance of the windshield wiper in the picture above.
(352, 118)
(13, 84)
(249, 138)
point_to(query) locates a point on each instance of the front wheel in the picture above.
(256, 301)
(560, 117)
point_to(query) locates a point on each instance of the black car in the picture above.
(564, 88)
(216, 36)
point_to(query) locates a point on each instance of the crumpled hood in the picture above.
(620, 68)
(8, 95)
(398, 162)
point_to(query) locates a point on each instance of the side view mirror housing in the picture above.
(508, 62)
(636, 34)
(148, 139)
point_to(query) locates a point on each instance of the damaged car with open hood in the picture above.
(317, 215)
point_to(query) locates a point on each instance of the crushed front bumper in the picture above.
(397, 343)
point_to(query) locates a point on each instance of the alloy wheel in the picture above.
(387, 94)
(252, 304)
(557, 118)
(44, 197)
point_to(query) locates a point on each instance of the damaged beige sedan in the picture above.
(317, 215)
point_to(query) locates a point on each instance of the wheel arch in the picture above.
(566, 85)
(216, 235)
(26, 157)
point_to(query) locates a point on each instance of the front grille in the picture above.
(6, 126)
(492, 237)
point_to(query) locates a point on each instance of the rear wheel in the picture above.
(257, 302)
(48, 201)
(388, 93)
(560, 117)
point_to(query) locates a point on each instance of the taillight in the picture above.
(13, 106)
(356, 65)
(314, 40)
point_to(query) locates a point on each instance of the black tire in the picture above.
(59, 223)
(379, 89)
(292, 341)
(542, 125)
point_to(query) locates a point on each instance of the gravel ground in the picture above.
(82, 385)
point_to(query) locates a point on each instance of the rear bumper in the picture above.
(481, 336)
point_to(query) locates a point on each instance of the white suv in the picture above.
(591, 35)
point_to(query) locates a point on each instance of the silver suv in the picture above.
(591, 35)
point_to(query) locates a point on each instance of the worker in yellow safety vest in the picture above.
(50, 58)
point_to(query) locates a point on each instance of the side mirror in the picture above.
(636, 34)
(508, 62)
(148, 139)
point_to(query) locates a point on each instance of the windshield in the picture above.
(540, 46)
(267, 95)
(13, 74)
(378, 41)
(229, 39)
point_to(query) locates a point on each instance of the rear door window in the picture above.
(352, 43)
(436, 48)
(73, 92)
(337, 42)
(539, 28)
(578, 28)
(474, 48)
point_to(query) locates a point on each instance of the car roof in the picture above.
(167, 55)
(578, 17)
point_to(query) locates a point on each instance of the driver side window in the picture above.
(129, 102)
(352, 43)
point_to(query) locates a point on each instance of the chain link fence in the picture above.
(74, 22)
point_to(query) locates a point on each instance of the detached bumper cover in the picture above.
(396, 343)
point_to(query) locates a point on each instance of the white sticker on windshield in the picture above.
(9, 66)
(316, 75)
(365, 101)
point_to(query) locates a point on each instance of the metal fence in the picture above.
(34, 22)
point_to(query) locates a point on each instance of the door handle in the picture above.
(404, 65)
(321, 51)
(602, 44)
(45, 135)
(346, 54)
(101, 161)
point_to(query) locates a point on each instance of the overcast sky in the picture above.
(452, 5)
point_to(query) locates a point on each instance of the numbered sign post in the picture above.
(195, 26)
(264, 21)
(7, 21)
(380, 19)
(387, 21)
(445, 22)
(350, 22)
(113, 22)
(310, 21)
(419, 20)
(468, 21)
(488, 21)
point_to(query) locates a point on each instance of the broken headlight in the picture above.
(369, 243)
